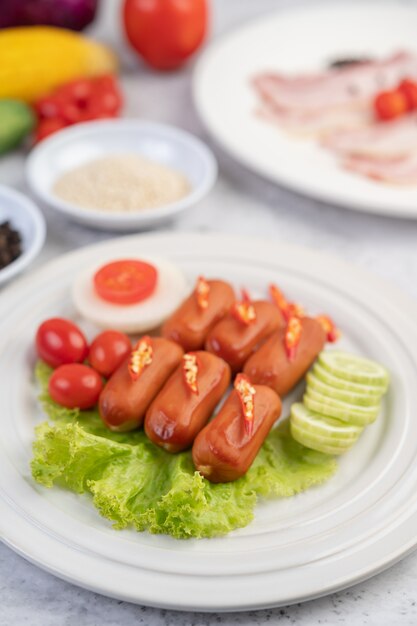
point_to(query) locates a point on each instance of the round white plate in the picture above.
(322, 540)
(300, 40)
(81, 143)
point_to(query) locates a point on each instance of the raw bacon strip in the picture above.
(397, 171)
(321, 124)
(382, 141)
(353, 85)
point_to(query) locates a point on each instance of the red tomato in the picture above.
(409, 89)
(165, 32)
(48, 127)
(59, 341)
(75, 386)
(48, 107)
(390, 104)
(126, 281)
(77, 91)
(108, 351)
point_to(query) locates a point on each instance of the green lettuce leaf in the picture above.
(135, 483)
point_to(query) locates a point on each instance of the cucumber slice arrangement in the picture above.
(342, 396)
(354, 368)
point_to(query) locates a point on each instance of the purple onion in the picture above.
(73, 14)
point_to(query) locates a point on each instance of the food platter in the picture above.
(297, 548)
(298, 41)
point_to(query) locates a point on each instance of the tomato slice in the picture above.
(126, 281)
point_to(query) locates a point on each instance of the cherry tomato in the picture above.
(409, 89)
(108, 351)
(59, 341)
(48, 107)
(126, 281)
(390, 104)
(48, 127)
(75, 386)
(165, 32)
(77, 91)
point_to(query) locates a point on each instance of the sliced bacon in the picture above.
(351, 86)
(315, 124)
(401, 171)
(382, 141)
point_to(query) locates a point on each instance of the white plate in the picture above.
(327, 538)
(26, 218)
(85, 142)
(300, 40)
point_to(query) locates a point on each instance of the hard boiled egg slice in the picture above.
(170, 291)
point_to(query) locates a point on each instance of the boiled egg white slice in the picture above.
(171, 289)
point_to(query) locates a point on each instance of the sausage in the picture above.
(235, 341)
(271, 366)
(177, 414)
(123, 401)
(224, 451)
(190, 324)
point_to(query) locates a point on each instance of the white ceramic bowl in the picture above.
(25, 217)
(85, 142)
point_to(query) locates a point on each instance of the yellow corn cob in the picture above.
(36, 59)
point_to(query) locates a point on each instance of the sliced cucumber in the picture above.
(323, 427)
(306, 439)
(359, 416)
(354, 368)
(345, 395)
(322, 374)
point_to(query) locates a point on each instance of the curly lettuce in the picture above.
(134, 483)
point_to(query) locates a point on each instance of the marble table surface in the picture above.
(239, 203)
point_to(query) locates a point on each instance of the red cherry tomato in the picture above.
(165, 32)
(48, 127)
(108, 351)
(390, 104)
(409, 89)
(126, 281)
(75, 386)
(59, 341)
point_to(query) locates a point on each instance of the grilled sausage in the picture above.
(124, 401)
(224, 451)
(177, 414)
(271, 366)
(191, 323)
(235, 341)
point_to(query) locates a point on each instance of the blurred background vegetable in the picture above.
(73, 14)
(165, 32)
(80, 100)
(17, 120)
(36, 59)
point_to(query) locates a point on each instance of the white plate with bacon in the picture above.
(271, 94)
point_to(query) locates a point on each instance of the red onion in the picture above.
(73, 14)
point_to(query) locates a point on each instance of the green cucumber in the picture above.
(345, 395)
(354, 368)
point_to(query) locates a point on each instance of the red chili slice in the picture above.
(244, 310)
(292, 337)
(202, 291)
(246, 393)
(140, 357)
(125, 282)
(288, 309)
(190, 371)
(329, 327)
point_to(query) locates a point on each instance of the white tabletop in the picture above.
(240, 203)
